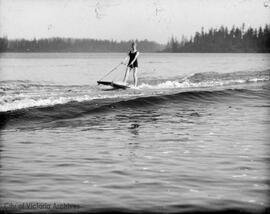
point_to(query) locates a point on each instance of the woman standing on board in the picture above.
(132, 63)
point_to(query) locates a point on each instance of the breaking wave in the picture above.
(15, 95)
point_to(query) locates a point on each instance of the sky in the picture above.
(155, 20)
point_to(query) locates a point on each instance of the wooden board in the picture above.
(119, 85)
(113, 84)
(104, 82)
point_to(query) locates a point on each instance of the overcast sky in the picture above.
(126, 19)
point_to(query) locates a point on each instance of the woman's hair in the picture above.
(133, 44)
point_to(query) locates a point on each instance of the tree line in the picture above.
(74, 45)
(215, 40)
(224, 40)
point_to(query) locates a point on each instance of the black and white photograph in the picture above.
(135, 106)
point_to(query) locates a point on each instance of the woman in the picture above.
(132, 63)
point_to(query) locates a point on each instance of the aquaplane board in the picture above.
(113, 84)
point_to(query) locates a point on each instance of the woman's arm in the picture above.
(123, 62)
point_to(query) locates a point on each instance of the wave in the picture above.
(96, 106)
(15, 95)
(10, 103)
(207, 79)
(189, 84)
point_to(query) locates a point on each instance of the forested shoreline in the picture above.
(74, 45)
(218, 40)
(223, 40)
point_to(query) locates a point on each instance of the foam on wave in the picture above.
(16, 95)
(189, 84)
(10, 105)
(80, 109)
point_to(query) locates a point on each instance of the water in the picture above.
(194, 135)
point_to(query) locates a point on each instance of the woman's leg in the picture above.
(135, 76)
(126, 75)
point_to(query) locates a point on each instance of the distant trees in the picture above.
(215, 40)
(3, 44)
(224, 40)
(74, 45)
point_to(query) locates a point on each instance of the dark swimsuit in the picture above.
(131, 58)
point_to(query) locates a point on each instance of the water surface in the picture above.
(194, 135)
